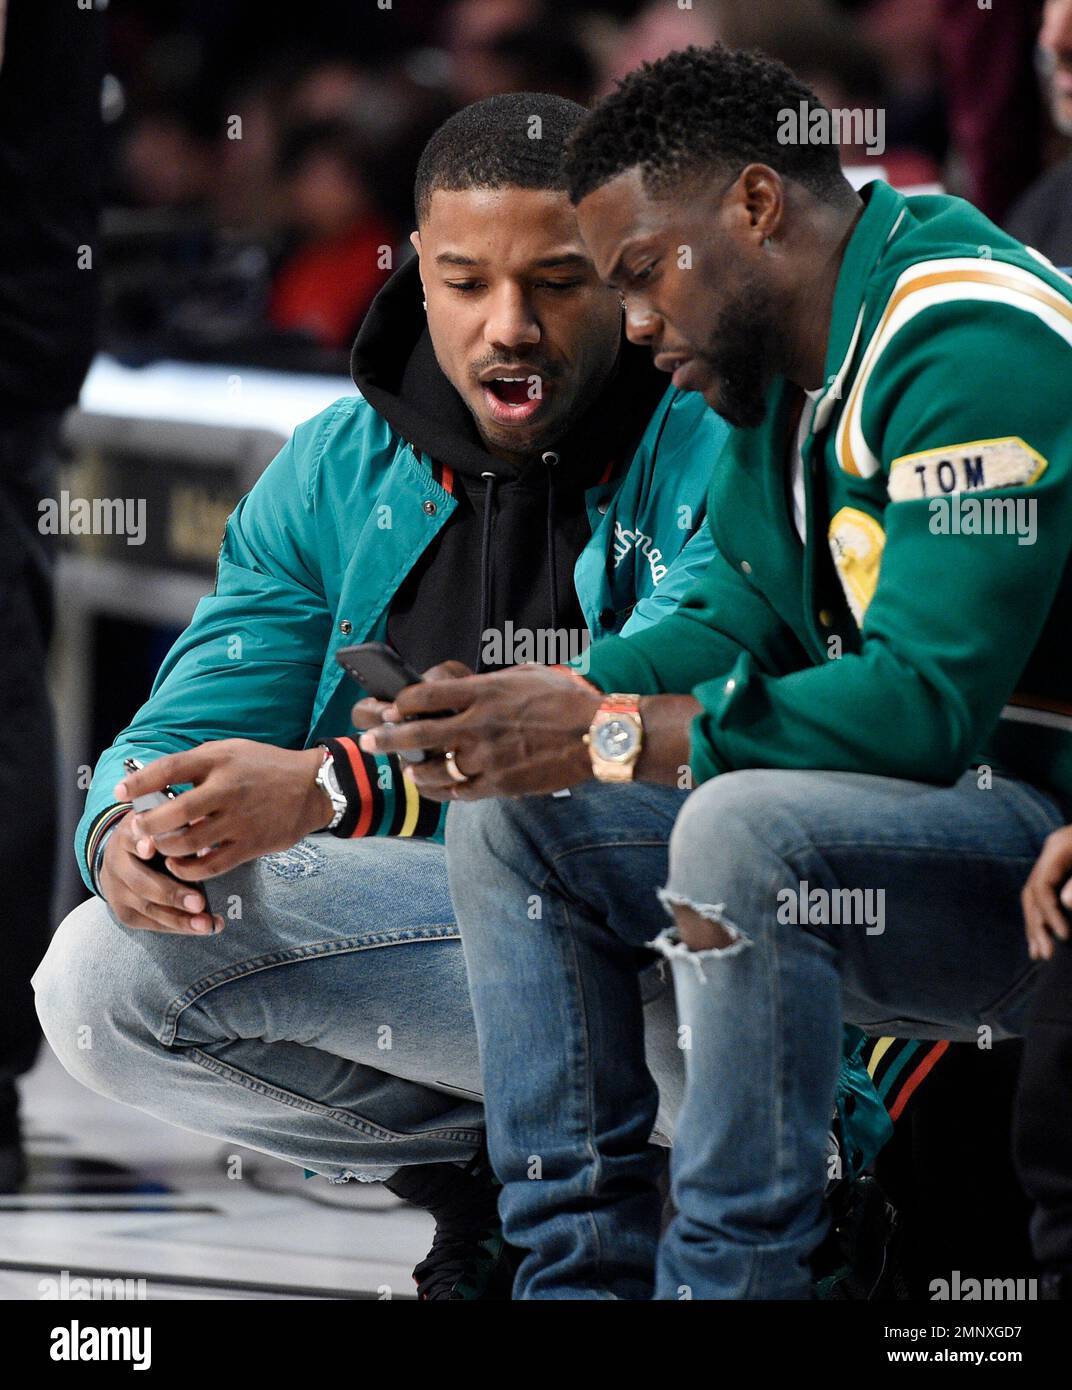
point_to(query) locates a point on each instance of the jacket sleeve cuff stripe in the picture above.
(108, 818)
(353, 773)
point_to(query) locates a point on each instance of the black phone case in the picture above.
(159, 863)
(378, 668)
(381, 671)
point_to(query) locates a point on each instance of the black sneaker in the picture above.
(461, 1266)
(860, 1257)
(469, 1258)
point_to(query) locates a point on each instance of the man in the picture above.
(868, 684)
(50, 153)
(515, 471)
(1042, 217)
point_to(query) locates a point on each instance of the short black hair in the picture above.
(698, 108)
(495, 143)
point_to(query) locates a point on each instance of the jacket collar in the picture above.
(884, 214)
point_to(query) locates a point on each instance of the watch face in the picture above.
(615, 739)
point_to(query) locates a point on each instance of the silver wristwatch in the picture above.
(327, 781)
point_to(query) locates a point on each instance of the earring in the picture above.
(424, 303)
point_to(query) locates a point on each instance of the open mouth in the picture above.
(512, 399)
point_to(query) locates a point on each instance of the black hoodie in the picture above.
(509, 548)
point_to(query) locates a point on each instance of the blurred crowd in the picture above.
(261, 157)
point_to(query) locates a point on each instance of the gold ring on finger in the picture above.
(453, 770)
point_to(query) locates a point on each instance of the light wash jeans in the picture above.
(570, 1102)
(329, 1024)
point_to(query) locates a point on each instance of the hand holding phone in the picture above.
(158, 862)
(380, 670)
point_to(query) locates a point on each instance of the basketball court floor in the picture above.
(115, 1194)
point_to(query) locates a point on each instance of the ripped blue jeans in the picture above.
(892, 905)
(329, 1024)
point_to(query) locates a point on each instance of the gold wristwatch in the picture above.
(615, 738)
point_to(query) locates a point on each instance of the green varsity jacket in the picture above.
(922, 628)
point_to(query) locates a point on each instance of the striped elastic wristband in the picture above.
(380, 800)
(96, 840)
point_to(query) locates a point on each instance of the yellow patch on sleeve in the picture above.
(856, 543)
(980, 465)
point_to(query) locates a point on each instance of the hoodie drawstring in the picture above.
(551, 459)
(490, 480)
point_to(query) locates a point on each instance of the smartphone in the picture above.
(159, 861)
(377, 667)
(382, 672)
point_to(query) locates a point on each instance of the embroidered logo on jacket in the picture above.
(983, 463)
(626, 541)
(856, 543)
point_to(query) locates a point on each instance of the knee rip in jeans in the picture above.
(701, 931)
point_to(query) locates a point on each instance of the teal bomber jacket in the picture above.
(313, 555)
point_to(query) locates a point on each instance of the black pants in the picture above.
(949, 1171)
(1043, 1133)
(28, 807)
